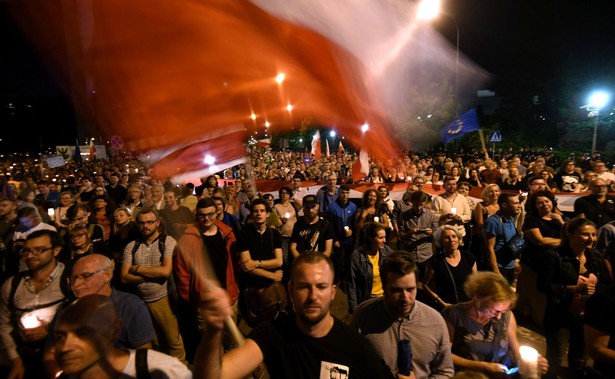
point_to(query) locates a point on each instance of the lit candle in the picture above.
(287, 215)
(528, 366)
(51, 212)
(454, 211)
(30, 321)
(346, 228)
(376, 219)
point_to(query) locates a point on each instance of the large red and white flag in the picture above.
(360, 168)
(340, 150)
(316, 150)
(327, 152)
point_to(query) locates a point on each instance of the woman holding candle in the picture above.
(569, 276)
(483, 330)
(373, 210)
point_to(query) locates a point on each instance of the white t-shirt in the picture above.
(161, 366)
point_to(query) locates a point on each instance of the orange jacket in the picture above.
(190, 268)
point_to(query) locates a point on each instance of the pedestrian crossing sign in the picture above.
(495, 137)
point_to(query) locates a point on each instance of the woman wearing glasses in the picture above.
(483, 331)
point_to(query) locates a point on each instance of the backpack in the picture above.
(162, 239)
(17, 312)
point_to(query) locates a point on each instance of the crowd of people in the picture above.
(431, 279)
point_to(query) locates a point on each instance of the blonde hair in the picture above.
(485, 193)
(491, 286)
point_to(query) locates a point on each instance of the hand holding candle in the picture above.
(528, 366)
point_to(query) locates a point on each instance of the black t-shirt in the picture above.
(599, 213)
(449, 281)
(261, 248)
(567, 182)
(310, 237)
(216, 248)
(343, 353)
(549, 229)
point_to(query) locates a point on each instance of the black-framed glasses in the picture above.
(78, 235)
(86, 275)
(35, 250)
(203, 216)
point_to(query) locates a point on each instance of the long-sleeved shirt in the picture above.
(424, 327)
(418, 243)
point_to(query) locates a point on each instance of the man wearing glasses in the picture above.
(148, 265)
(29, 301)
(92, 275)
(207, 246)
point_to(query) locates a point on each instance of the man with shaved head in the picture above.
(85, 333)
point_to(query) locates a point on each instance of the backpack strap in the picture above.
(141, 364)
(15, 280)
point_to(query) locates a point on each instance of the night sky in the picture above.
(545, 47)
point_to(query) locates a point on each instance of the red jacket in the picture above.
(190, 266)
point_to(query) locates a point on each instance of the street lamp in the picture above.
(429, 10)
(597, 101)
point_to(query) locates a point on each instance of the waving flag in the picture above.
(254, 63)
(92, 150)
(360, 168)
(340, 149)
(467, 123)
(316, 149)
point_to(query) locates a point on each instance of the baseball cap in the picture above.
(310, 200)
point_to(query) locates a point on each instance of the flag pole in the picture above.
(482, 142)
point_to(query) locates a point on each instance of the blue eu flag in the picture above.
(467, 123)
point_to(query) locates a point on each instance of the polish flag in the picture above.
(327, 153)
(316, 150)
(340, 150)
(92, 150)
(360, 169)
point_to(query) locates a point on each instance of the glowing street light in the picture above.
(289, 108)
(253, 116)
(332, 134)
(209, 160)
(428, 9)
(280, 77)
(597, 101)
(267, 124)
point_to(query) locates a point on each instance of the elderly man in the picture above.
(599, 206)
(92, 275)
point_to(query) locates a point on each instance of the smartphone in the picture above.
(512, 370)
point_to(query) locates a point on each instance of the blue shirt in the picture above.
(493, 226)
